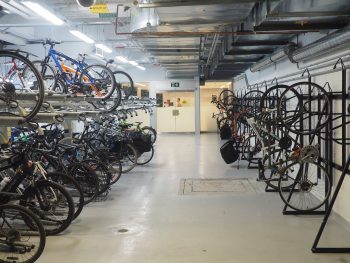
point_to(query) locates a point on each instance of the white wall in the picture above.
(342, 206)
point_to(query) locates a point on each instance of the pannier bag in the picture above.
(225, 132)
(229, 152)
(143, 143)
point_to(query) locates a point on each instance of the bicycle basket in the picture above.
(229, 152)
(143, 143)
(225, 132)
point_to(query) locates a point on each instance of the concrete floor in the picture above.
(163, 226)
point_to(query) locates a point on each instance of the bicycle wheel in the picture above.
(28, 86)
(223, 96)
(98, 80)
(51, 203)
(60, 86)
(128, 158)
(150, 131)
(47, 73)
(72, 187)
(102, 172)
(125, 83)
(251, 151)
(18, 242)
(304, 108)
(250, 102)
(145, 157)
(269, 100)
(307, 191)
(87, 180)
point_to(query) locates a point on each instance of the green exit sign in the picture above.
(175, 84)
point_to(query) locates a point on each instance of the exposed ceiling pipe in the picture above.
(328, 43)
(173, 3)
(275, 57)
(202, 33)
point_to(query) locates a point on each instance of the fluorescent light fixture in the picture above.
(41, 11)
(140, 67)
(134, 63)
(6, 11)
(13, 9)
(142, 85)
(104, 48)
(122, 59)
(20, 7)
(81, 36)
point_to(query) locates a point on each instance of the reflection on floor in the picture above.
(146, 219)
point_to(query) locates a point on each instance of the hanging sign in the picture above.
(99, 9)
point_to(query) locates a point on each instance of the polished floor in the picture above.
(147, 220)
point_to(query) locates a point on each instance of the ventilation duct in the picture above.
(275, 57)
(328, 43)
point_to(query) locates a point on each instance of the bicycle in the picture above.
(27, 84)
(97, 80)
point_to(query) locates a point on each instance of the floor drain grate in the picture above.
(219, 186)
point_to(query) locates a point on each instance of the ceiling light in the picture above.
(104, 48)
(20, 7)
(81, 36)
(41, 11)
(134, 63)
(6, 11)
(13, 9)
(142, 85)
(121, 59)
(140, 67)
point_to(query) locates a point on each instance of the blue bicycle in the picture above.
(78, 78)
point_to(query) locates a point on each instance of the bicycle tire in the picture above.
(303, 187)
(111, 79)
(126, 92)
(47, 73)
(28, 200)
(247, 153)
(73, 188)
(130, 155)
(150, 131)
(102, 172)
(265, 97)
(39, 84)
(87, 180)
(147, 158)
(293, 118)
(38, 229)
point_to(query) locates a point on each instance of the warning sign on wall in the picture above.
(99, 9)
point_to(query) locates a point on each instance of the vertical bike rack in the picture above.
(311, 137)
(344, 167)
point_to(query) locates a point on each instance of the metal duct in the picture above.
(275, 57)
(328, 43)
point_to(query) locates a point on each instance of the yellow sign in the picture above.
(99, 9)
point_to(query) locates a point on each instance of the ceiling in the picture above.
(218, 39)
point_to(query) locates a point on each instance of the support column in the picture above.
(153, 94)
(197, 110)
